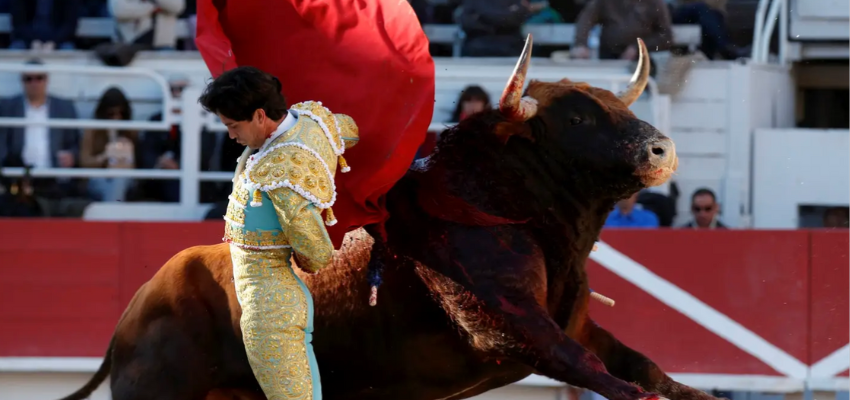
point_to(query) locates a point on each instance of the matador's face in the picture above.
(251, 133)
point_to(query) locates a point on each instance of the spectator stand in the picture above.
(711, 118)
(561, 35)
(91, 89)
(77, 76)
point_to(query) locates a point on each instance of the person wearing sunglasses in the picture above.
(705, 210)
(39, 146)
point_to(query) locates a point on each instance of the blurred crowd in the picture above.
(36, 146)
(490, 27)
(52, 24)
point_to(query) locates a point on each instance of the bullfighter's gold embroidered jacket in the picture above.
(280, 194)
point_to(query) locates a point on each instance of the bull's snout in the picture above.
(662, 162)
(659, 151)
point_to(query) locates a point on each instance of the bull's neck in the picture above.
(516, 187)
(565, 208)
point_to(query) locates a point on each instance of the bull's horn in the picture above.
(512, 104)
(639, 78)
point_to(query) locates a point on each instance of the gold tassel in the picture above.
(330, 220)
(257, 200)
(343, 165)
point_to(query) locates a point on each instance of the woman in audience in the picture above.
(110, 148)
(472, 100)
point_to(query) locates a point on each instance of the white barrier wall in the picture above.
(795, 167)
(55, 385)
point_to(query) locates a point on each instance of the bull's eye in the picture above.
(575, 120)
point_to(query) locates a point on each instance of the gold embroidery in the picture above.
(299, 166)
(258, 239)
(238, 202)
(276, 324)
(325, 115)
(304, 228)
(350, 132)
(235, 212)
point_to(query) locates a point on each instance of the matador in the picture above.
(281, 201)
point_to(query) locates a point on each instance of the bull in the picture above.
(483, 259)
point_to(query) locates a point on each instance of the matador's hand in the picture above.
(304, 265)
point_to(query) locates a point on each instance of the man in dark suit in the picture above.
(39, 146)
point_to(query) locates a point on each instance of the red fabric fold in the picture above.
(368, 59)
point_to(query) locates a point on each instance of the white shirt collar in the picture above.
(30, 106)
(284, 126)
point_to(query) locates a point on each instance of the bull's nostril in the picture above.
(658, 151)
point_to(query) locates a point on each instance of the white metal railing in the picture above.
(194, 120)
(88, 123)
(767, 13)
(190, 128)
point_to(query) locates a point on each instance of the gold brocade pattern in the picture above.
(276, 324)
(304, 229)
(325, 115)
(258, 239)
(237, 204)
(350, 132)
(299, 167)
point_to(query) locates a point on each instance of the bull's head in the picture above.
(588, 129)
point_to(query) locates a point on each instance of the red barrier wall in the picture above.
(64, 284)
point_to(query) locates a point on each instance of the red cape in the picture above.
(367, 58)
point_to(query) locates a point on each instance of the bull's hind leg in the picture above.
(630, 365)
(162, 363)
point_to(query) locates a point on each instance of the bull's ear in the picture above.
(505, 130)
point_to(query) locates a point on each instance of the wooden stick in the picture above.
(602, 299)
(373, 297)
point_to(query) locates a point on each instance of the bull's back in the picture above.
(190, 303)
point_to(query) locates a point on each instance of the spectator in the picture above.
(493, 28)
(623, 21)
(543, 13)
(472, 100)
(423, 9)
(191, 17)
(94, 8)
(664, 207)
(44, 24)
(37, 145)
(150, 23)
(629, 214)
(705, 210)
(836, 217)
(108, 148)
(161, 150)
(711, 17)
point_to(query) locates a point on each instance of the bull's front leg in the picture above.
(630, 365)
(493, 287)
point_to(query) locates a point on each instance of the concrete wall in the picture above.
(796, 167)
